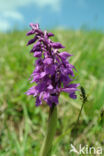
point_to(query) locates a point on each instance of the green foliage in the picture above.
(51, 131)
(22, 125)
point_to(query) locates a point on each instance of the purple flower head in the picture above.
(53, 73)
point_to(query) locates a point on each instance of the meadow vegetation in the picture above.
(22, 125)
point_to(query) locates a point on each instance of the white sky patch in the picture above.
(4, 25)
(9, 9)
(14, 4)
(55, 4)
(13, 15)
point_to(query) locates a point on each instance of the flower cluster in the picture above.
(53, 73)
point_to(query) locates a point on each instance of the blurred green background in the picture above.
(22, 125)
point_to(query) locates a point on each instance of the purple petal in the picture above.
(32, 40)
(68, 90)
(73, 96)
(45, 96)
(74, 85)
(52, 100)
(42, 74)
(50, 69)
(38, 101)
(37, 44)
(41, 86)
(50, 87)
(36, 47)
(36, 78)
(64, 55)
(30, 32)
(37, 54)
(39, 62)
(32, 91)
(48, 61)
(65, 79)
(57, 45)
(39, 32)
(34, 26)
(50, 34)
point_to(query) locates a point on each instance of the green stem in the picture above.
(51, 130)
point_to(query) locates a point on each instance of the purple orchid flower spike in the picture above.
(52, 69)
(52, 75)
